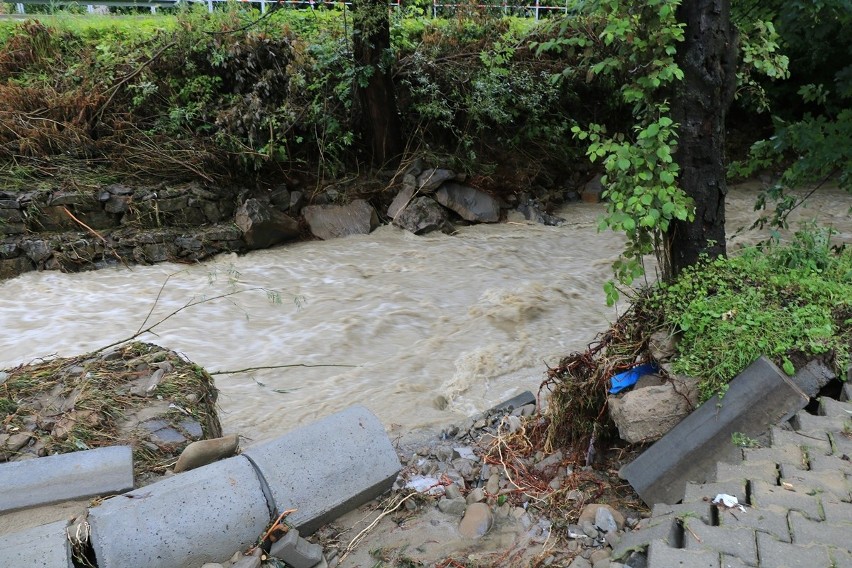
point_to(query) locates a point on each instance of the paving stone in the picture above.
(814, 482)
(737, 541)
(765, 520)
(846, 393)
(701, 509)
(819, 443)
(747, 470)
(834, 408)
(667, 532)
(841, 444)
(817, 425)
(788, 453)
(732, 562)
(695, 492)
(805, 531)
(838, 513)
(776, 554)
(766, 496)
(660, 555)
(831, 463)
(841, 557)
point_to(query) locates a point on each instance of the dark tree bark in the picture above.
(708, 60)
(374, 91)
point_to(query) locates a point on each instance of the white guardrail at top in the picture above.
(533, 9)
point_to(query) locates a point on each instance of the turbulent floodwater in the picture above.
(426, 329)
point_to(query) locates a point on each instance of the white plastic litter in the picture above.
(421, 483)
(728, 501)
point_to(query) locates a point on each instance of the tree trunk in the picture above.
(374, 91)
(708, 60)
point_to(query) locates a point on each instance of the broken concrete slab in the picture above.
(195, 517)
(760, 397)
(328, 467)
(51, 479)
(812, 377)
(296, 551)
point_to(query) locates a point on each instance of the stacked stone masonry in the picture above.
(797, 493)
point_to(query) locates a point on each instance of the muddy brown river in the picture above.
(425, 330)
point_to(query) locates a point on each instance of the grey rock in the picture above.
(453, 506)
(423, 215)
(605, 521)
(204, 452)
(470, 203)
(477, 521)
(589, 529)
(532, 211)
(117, 203)
(452, 491)
(402, 199)
(476, 495)
(262, 226)
(662, 345)
(646, 414)
(247, 562)
(430, 180)
(37, 249)
(334, 221)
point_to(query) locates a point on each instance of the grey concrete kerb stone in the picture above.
(195, 517)
(52, 479)
(45, 546)
(328, 467)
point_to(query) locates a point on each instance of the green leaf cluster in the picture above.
(790, 302)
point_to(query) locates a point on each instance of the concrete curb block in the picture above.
(187, 520)
(760, 397)
(52, 479)
(328, 467)
(45, 546)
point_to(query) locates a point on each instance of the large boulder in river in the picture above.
(422, 215)
(402, 199)
(470, 203)
(262, 226)
(333, 221)
(646, 414)
(430, 180)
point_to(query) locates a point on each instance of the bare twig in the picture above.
(360, 536)
(97, 234)
(175, 312)
(265, 367)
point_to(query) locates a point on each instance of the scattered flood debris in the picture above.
(138, 394)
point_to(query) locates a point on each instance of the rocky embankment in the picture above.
(73, 229)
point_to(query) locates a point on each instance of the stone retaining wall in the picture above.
(55, 229)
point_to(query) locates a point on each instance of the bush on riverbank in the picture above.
(792, 303)
(223, 96)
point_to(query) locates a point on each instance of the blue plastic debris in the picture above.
(628, 378)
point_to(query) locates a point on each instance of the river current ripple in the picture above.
(426, 329)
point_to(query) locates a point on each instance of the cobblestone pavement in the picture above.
(798, 504)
